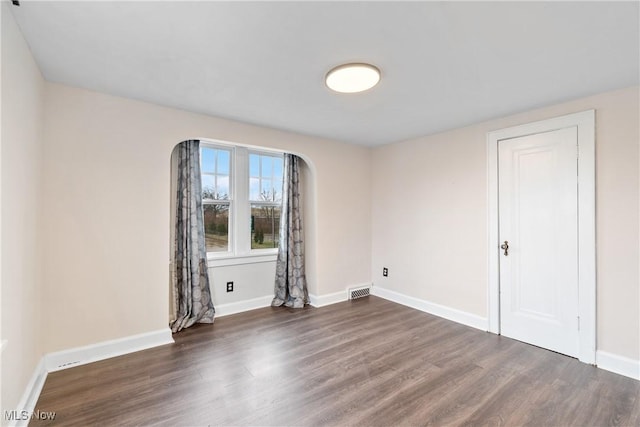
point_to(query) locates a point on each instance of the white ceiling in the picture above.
(444, 65)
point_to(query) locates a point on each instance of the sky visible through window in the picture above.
(216, 168)
(265, 178)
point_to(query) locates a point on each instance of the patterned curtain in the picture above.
(291, 283)
(191, 280)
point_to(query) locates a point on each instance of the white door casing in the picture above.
(538, 224)
(583, 124)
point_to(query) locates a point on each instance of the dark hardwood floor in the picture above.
(367, 362)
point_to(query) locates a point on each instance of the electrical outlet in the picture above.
(385, 271)
(229, 286)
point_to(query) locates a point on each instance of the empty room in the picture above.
(320, 213)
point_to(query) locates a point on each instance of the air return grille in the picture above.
(363, 291)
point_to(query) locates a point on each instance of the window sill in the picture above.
(213, 261)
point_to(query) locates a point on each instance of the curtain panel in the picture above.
(291, 283)
(192, 292)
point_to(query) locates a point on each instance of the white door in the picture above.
(538, 220)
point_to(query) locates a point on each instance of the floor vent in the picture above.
(363, 291)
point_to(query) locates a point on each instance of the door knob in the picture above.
(505, 246)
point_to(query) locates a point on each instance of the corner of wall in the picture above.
(22, 117)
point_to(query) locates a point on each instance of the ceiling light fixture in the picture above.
(352, 78)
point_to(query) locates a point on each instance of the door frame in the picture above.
(585, 123)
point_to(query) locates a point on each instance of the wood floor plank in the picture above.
(368, 362)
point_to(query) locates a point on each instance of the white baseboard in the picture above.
(265, 301)
(448, 313)
(327, 299)
(240, 306)
(252, 304)
(31, 394)
(335, 297)
(106, 349)
(618, 364)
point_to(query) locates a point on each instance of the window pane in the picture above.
(216, 227)
(223, 187)
(277, 167)
(266, 167)
(208, 159)
(277, 191)
(254, 165)
(208, 186)
(254, 189)
(223, 162)
(265, 191)
(265, 226)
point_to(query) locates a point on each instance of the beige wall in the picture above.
(22, 117)
(250, 281)
(106, 210)
(429, 215)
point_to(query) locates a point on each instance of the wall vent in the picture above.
(359, 292)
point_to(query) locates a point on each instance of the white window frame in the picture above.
(259, 202)
(229, 201)
(240, 251)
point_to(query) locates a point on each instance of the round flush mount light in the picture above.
(353, 78)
